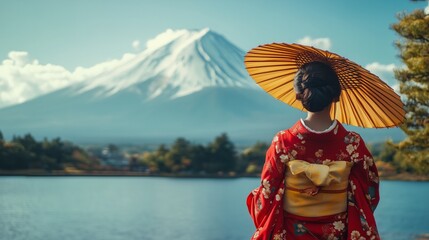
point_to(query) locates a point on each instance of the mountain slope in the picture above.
(241, 112)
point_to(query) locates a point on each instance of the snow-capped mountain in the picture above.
(189, 83)
(175, 64)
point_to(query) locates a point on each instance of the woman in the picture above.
(319, 180)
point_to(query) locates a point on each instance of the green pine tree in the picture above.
(223, 154)
(413, 151)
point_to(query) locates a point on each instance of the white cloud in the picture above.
(322, 43)
(136, 44)
(385, 73)
(18, 58)
(377, 67)
(22, 78)
(427, 9)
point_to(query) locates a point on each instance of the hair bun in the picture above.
(318, 86)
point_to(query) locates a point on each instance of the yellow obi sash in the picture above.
(332, 180)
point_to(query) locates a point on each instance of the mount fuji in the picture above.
(189, 83)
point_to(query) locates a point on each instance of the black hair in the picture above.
(316, 86)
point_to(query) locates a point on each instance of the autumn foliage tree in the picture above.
(413, 29)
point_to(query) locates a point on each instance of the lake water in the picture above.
(127, 208)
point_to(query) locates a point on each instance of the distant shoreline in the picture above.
(41, 173)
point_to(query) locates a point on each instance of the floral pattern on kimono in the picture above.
(265, 203)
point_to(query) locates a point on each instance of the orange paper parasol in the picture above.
(365, 101)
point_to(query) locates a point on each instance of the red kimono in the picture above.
(361, 196)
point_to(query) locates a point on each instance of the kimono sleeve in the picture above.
(363, 193)
(265, 203)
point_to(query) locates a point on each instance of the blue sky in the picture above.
(83, 33)
(69, 34)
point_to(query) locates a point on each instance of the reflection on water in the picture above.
(103, 208)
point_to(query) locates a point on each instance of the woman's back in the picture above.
(316, 186)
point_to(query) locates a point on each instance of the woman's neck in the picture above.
(319, 121)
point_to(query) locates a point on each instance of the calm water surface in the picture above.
(105, 208)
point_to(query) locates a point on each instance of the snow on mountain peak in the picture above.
(170, 35)
(195, 60)
(164, 38)
(174, 64)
